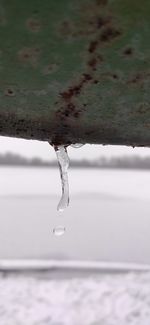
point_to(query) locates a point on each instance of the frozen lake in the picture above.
(108, 218)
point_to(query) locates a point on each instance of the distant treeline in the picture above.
(128, 162)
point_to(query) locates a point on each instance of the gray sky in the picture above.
(33, 148)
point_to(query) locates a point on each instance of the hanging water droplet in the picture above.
(63, 162)
(77, 145)
(59, 231)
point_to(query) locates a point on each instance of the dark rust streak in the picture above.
(92, 63)
(103, 32)
(93, 46)
(109, 34)
(68, 108)
(75, 90)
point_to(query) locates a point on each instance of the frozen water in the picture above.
(59, 231)
(63, 162)
(77, 145)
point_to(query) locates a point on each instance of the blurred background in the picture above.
(96, 273)
(108, 215)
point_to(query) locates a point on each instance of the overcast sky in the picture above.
(33, 148)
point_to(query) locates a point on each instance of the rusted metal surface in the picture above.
(75, 71)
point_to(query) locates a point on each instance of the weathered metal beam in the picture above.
(75, 70)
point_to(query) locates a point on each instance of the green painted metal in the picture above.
(75, 70)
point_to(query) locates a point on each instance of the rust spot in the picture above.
(92, 63)
(111, 76)
(66, 111)
(76, 114)
(138, 78)
(97, 22)
(9, 92)
(69, 108)
(93, 46)
(66, 95)
(33, 24)
(128, 51)
(109, 33)
(50, 68)
(86, 77)
(100, 22)
(76, 89)
(59, 139)
(115, 76)
(29, 55)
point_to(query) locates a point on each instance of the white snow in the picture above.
(40, 298)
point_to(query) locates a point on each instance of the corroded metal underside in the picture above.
(75, 70)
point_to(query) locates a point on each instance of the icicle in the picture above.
(63, 162)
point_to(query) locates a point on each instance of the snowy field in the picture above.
(108, 218)
(44, 298)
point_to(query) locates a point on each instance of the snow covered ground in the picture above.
(50, 298)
